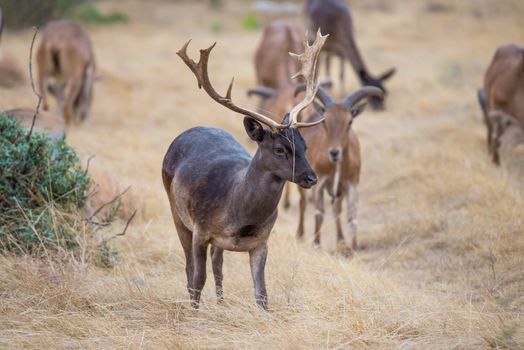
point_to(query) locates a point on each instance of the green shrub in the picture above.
(42, 190)
(89, 13)
(215, 26)
(26, 13)
(250, 22)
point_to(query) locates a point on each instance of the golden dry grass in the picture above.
(442, 264)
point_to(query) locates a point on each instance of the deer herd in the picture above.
(222, 197)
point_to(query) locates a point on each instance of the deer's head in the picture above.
(338, 117)
(282, 149)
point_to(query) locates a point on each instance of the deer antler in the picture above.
(308, 62)
(200, 71)
(308, 59)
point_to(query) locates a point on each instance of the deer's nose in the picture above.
(334, 153)
(312, 179)
(308, 180)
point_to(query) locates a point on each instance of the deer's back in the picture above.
(64, 44)
(274, 66)
(331, 17)
(204, 160)
(504, 81)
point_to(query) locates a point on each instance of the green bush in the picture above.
(42, 189)
(250, 22)
(89, 13)
(27, 13)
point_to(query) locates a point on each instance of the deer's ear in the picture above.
(355, 111)
(254, 129)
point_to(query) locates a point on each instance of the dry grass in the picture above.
(441, 228)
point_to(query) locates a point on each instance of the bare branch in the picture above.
(88, 162)
(108, 203)
(33, 84)
(127, 224)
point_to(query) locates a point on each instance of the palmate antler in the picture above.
(308, 59)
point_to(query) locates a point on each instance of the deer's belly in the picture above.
(239, 243)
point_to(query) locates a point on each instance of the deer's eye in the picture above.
(279, 151)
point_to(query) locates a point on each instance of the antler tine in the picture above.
(308, 62)
(200, 71)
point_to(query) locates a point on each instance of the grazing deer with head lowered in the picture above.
(335, 158)
(334, 18)
(66, 69)
(219, 195)
(502, 97)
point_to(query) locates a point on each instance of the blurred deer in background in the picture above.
(335, 157)
(334, 18)
(274, 67)
(66, 69)
(219, 195)
(502, 97)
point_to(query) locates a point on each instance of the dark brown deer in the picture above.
(334, 18)
(222, 197)
(502, 97)
(335, 158)
(66, 69)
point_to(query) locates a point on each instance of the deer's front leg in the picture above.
(199, 269)
(257, 260)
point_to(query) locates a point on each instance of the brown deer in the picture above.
(222, 197)
(335, 158)
(66, 69)
(334, 18)
(502, 97)
(273, 65)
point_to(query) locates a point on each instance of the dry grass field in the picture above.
(441, 228)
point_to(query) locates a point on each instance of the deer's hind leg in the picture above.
(199, 250)
(217, 260)
(186, 240)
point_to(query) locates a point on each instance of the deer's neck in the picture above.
(257, 193)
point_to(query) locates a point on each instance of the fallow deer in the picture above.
(222, 197)
(66, 69)
(334, 18)
(502, 97)
(335, 158)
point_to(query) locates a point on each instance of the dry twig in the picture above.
(33, 84)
